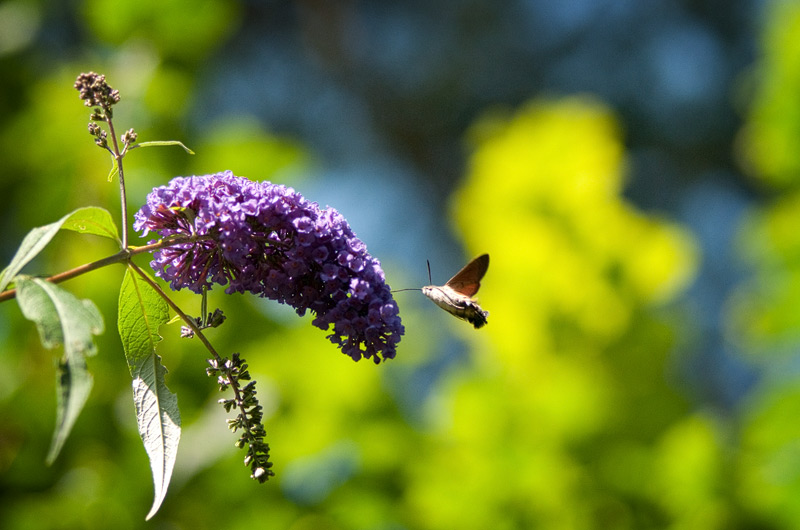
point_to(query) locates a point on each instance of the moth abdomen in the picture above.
(475, 315)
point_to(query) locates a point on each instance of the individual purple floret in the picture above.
(268, 240)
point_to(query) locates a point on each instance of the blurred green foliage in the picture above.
(568, 413)
(773, 129)
(763, 313)
(568, 421)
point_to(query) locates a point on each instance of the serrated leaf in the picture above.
(86, 220)
(159, 422)
(141, 312)
(61, 318)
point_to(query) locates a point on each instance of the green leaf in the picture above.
(73, 385)
(92, 220)
(114, 169)
(89, 220)
(40, 308)
(141, 312)
(159, 423)
(61, 318)
(163, 143)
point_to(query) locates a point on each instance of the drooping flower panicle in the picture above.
(267, 239)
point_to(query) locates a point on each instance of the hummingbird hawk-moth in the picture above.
(455, 296)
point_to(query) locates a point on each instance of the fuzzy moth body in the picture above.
(455, 296)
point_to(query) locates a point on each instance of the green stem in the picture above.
(204, 307)
(234, 383)
(122, 255)
(186, 318)
(122, 194)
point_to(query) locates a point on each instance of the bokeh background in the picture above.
(631, 167)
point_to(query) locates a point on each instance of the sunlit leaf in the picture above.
(159, 423)
(92, 220)
(39, 308)
(141, 312)
(89, 220)
(164, 143)
(61, 318)
(114, 169)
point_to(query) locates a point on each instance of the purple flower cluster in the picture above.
(267, 239)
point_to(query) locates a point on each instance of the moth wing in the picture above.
(467, 281)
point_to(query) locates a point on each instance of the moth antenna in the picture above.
(430, 280)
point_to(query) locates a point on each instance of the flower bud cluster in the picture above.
(96, 92)
(229, 372)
